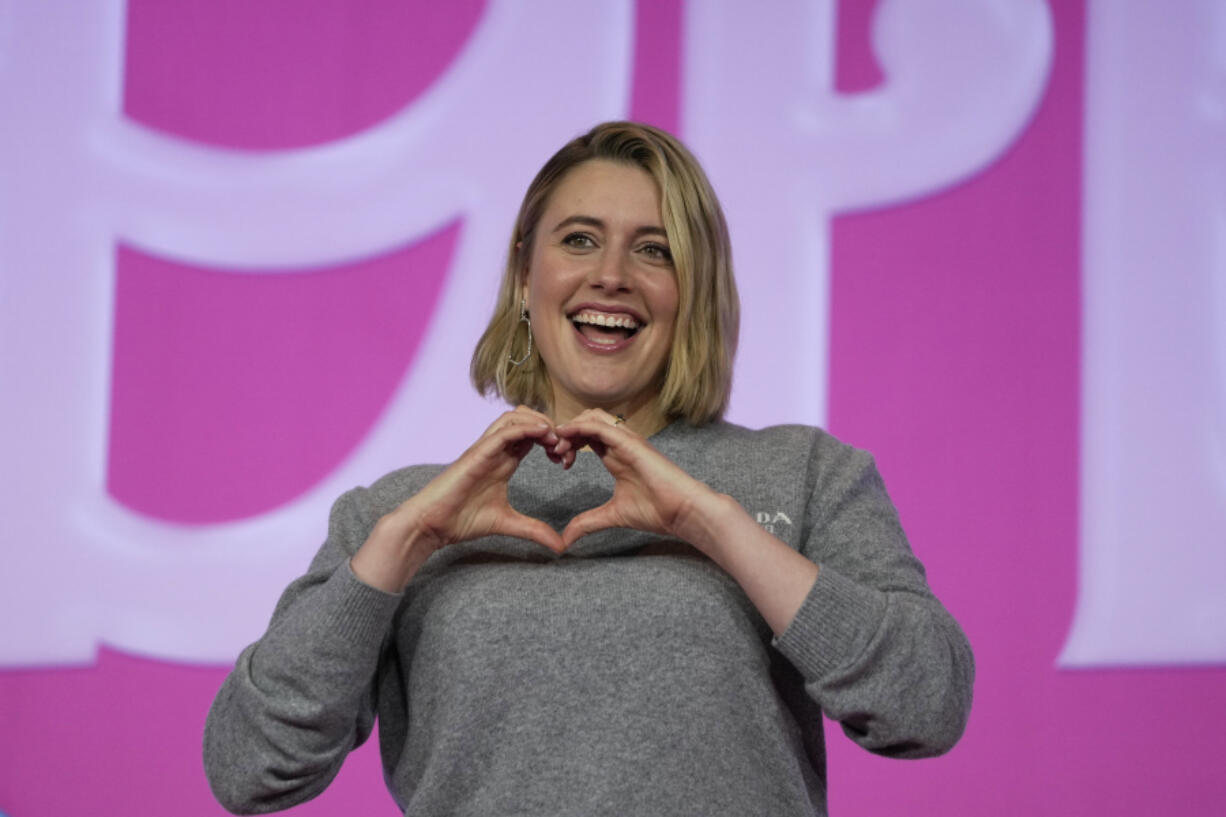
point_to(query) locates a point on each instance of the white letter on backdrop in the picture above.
(786, 153)
(76, 179)
(1153, 421)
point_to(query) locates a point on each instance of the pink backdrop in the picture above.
(954, 355)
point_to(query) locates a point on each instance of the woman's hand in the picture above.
(467, 501)
(653, 494)
(650, 493)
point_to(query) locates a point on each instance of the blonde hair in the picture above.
(698, 377)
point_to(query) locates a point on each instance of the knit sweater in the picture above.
(628, 676)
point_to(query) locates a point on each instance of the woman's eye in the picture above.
(579, 241)
(657, 252)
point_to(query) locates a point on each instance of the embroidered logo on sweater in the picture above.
(768, 520)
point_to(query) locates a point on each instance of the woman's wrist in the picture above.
(710, 524)
(393, 553)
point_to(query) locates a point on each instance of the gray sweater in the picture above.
(628, 676)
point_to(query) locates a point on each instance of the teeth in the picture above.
(618, 321)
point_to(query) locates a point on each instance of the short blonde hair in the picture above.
(698, 377)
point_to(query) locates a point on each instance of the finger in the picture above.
(526, 414)
(525, 411)
(561, 446)
(518, 416)
(593, 427)
(562, 450)
(601, 415)
(515, 439)
(578, 439)
(534, 530)
(520, 448)
(502, 449)
(535, 431)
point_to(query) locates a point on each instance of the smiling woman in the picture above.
(629, 200)
(602, 294)
(580, 615)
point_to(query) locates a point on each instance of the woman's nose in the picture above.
(612, 272)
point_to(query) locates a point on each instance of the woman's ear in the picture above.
(523, 273)
(523, 270)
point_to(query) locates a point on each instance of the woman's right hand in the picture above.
(467, 501)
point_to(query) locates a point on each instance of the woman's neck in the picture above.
(645, 419)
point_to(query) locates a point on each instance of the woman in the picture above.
(582, 614)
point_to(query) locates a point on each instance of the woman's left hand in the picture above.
(650, 493)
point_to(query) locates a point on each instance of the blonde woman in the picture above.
(581, 614)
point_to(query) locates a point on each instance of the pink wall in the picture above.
(954, 357)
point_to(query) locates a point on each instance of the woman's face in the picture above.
(601, 291)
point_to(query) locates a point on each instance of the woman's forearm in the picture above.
(776, 578)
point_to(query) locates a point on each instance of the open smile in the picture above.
(605, 331)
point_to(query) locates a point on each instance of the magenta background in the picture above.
(954, 358)
(203, 403)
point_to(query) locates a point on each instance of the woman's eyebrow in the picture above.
(592, 221)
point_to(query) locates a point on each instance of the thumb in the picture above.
(534, 530)
(596, 519)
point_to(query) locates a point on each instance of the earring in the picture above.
(523, 318)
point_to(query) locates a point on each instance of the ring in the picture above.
(620, 420)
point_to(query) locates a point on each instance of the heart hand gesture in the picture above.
(650, 493)
(467, 501)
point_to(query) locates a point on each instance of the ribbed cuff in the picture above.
(361, 612)
(832, 626)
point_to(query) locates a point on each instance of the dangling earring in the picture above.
(523, 318)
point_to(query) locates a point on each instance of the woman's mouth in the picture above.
(608, 329)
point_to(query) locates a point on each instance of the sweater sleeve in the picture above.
(877, 651)
(300, 698)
